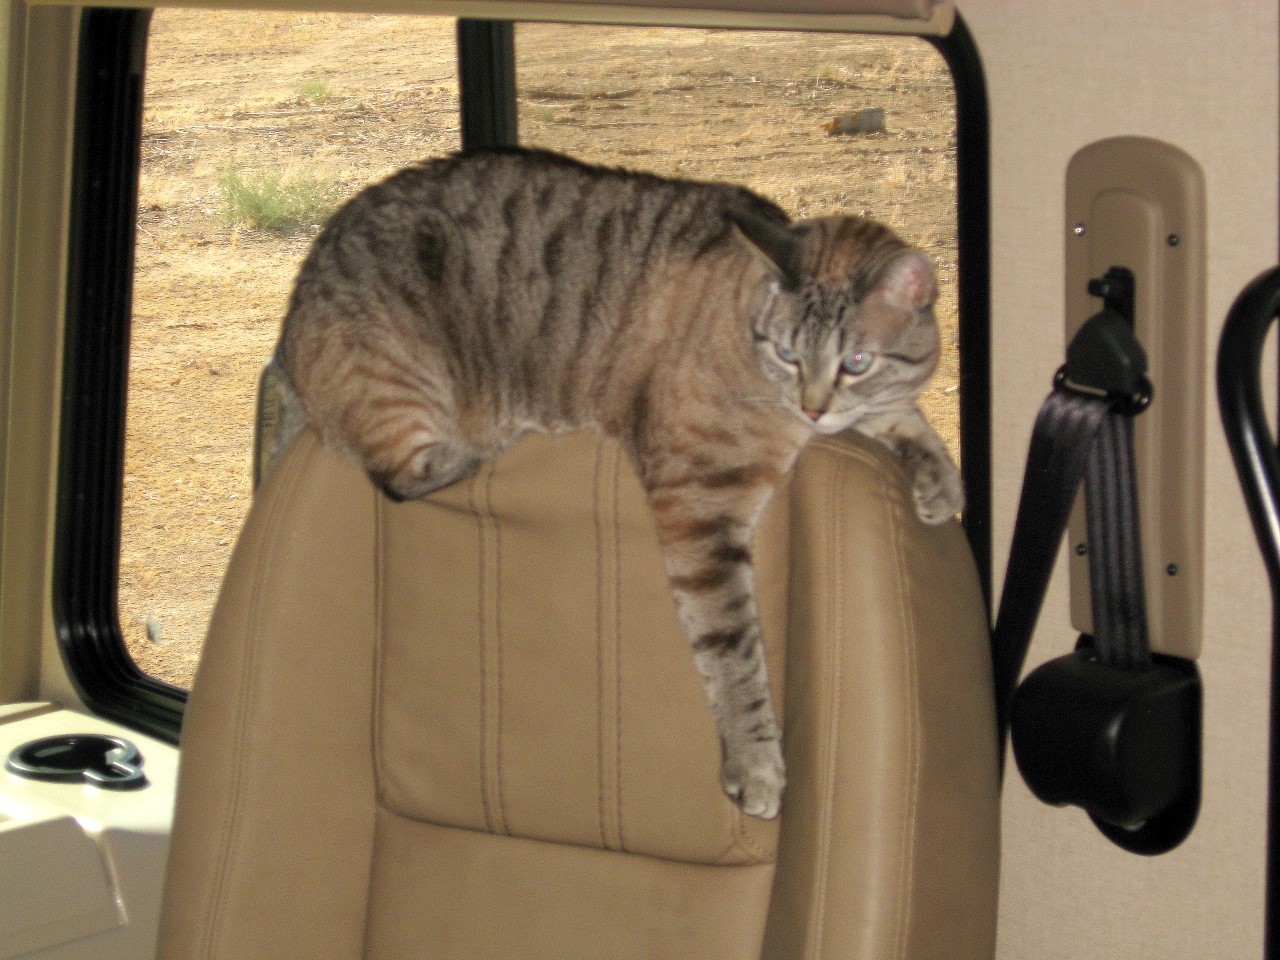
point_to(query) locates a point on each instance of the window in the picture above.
(253, 125)
(775, 112)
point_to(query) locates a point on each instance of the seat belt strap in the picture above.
(1109, 728)
(1117, 592)
(1061, 441)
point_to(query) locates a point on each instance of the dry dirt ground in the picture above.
(345, 100)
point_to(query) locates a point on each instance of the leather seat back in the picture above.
(469, 727)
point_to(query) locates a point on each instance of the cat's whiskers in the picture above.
(764, 399)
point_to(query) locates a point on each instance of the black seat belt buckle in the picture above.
(1122, 744)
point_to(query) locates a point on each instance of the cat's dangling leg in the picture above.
(704, 528)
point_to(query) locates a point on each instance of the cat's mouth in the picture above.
(824, 421)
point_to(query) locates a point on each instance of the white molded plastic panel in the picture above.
(54, 887)
(81, 868)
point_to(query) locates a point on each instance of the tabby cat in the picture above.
(466, 300)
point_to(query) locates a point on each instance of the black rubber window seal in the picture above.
(106, 148)
(973, 230)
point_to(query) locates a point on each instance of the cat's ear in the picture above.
(777, 244)
(908, 282)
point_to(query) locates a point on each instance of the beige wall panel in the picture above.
(1062, 75)
(33, 238)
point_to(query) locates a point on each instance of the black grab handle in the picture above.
(1253, 447)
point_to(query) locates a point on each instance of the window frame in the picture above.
(106, 156)
(973, 273)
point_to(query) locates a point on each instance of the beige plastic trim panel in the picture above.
(35, 141)
(1139, 203)
(925, 17)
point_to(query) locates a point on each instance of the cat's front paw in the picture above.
(938, 490)
(754, 775)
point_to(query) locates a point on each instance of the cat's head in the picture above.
(845, 323)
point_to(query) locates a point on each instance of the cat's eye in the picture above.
(856, 364)
(786, 354)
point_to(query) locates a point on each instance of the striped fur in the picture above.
(466, 300)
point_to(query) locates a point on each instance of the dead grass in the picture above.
(346, 100)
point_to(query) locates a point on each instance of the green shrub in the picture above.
(284, 203)
(317, 91)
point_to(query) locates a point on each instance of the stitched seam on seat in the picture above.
(499, 693)
(241, 724)
(483, 759)
(912, 719)
(375, 718)
(380, 643)
(602, 764)
(478, 496)
(497, 633)
(832, 550)
(607, 653)
(615, 486)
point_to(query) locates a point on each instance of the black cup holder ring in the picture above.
(111, 763)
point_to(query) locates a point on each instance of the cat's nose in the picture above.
(815, 400)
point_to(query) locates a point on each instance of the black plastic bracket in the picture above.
(1116, 289)
(1105, 356)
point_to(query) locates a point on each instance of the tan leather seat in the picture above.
(469, 727)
